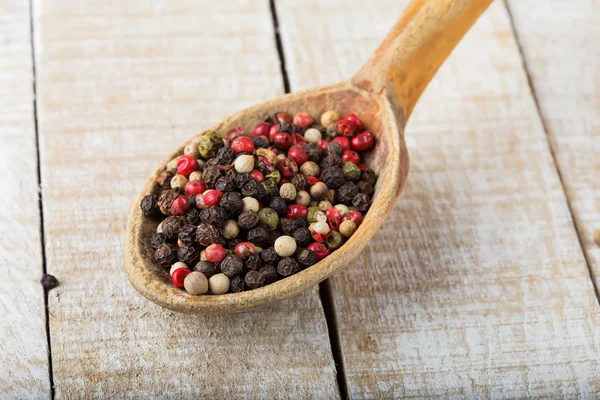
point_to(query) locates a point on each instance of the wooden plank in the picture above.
(560, 47)
(23, 343)
(476, 286)
(120, 85)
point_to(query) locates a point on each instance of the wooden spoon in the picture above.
(383, 94)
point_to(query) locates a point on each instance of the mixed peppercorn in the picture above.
(245, 211)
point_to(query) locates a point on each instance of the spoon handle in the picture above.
(414, 49)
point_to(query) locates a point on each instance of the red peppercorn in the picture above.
(334, 218)
(282, 117)
(212, 197)
(180, 205)
(323, 145)
(296, 211)
(244, 249)
(320, 249)
(186, 165)
(355, 120)
(282, 140)
(234, 133)
(273, 131)
(363, 167)
(312, 180)
(287, 167)
(298, 154)
(179, 276)
(346, 128)
(350, 156)
(363, 141)
(193, 188)
(354, 216)
(320, 237)
(342, 141)
(243, 144)
(215, 253)
(261, 129)
(257, 175)
(303, 120)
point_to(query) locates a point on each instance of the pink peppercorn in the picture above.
(282, 117)
(257, 175)
(282, 140)
(180, 205)
(334, 218)
(194, 188)
(212, 197)
(215, 253)
(363, 141)
(244, 249)
(346, 128)
(243, 144)
(298, 139)
(287, 167)
(303, 120)
(323, 145)
(363, 167)
(186, 165)
(342, 141)
(355, 120)
(261, 129)
(350, 156)
(234, 133)
(296, 211)
(298, 154)
(354, 216)
(179, 276)
(320, 237)
(320, 249)
(312, 180)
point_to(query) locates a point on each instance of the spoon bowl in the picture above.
(382, 94)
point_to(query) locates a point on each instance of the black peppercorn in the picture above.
(361, 201)
(331, 131)
(253, 262)
(248, 220)
(210, 175)
(302, 222)
(333, 177)
(254, 189)
(49, 282)
(241, 179)
(335, 148)
(232, 266)
(315, 153)
(365, 187)
(300, 182)
(269, 256)
(206, 267)
(368, 175)
(306, 258)
(259, 236)
(165, 255)
(303, 237)
(234, 242)
(261, 142)
(192, 217)
(232, 202)
(270, 273)
(188, 254)
(289, 226)
(166, 200)
(225, 156)
(273, 235)
(331, 160)
(149, 206)
(157, 240)
(278, 204)
(192, 200)
(187, 234)
(237, 285)
(170, 227)
(225, 183)
(254, 279)
(207, 234)
(287, 266)
(214, 216)
(345, 194)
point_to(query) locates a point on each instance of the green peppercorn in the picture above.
(312, 214)
(209, 144)
(335, 240)
(351, 171)
(268, 218)
(275, 176)
(270, 187)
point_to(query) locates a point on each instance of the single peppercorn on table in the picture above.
(481, 283)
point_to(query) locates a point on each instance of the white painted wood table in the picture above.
(481, 285)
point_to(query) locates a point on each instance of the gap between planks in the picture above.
(325, 288)
(538, 110)
(40, 198)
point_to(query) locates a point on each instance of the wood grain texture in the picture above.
(561, 52)
(121, 84)
(23, 342)
(476, 286)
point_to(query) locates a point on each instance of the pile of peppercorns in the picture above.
(242, 212)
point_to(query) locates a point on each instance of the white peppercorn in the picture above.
(285, 246)
(230, 230)
(159, 228)
(347, 228)
(250, 204)
(310, 168)
(179, 182)
(329, 117)
(318, 191)
(191, 149)
(321, 227)
(343, 209)
(302, 197)
(195, 176)
(244, 163)
(325, 205)
(312, 135)
(173, 163)
(177, 265)
(203, 255)
(195, 283)
(288, 191)
(281, 156)
(219, 284)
